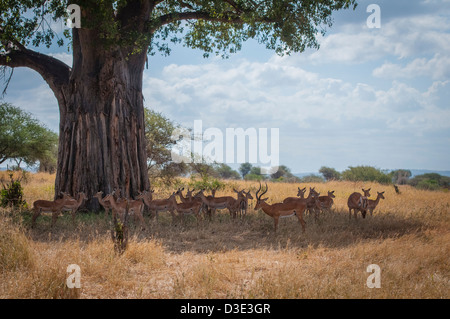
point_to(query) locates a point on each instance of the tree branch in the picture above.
(194, 15)
(55, 72)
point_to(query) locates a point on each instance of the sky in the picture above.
(368, 96)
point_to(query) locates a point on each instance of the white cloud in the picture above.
(279, 92)
(401, 37)
(436, 68)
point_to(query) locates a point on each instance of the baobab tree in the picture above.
(102, 138)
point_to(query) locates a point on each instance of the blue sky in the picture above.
(376, 97)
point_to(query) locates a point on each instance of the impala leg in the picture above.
(73, 217)
(275, 222)
(141, 220)
(36, 214)
(301, 221)
(54, 218)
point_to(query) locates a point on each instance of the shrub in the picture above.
(430, 181)
(366, 174)
(12, 194)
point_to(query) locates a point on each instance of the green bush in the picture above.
(366, 174)
(206, 183)
(430, 181)
(12, 194)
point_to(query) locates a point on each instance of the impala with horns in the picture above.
(281, 210)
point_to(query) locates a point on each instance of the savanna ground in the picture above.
(408, 238)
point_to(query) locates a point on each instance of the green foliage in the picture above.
(400, 176)
(312, 178)
(12, 194)
(430, 181)
(216, 26)
(244, 169)
(283, 173)
(366, 174)
(254, 177)
(227, 172)
(330, 174)
(158, 132)
(23, 138)
(207, 183)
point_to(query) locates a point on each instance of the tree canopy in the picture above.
(23, 138)
(218, 26)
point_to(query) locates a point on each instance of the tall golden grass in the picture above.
(408, 237)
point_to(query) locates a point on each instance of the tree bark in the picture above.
(102, 137)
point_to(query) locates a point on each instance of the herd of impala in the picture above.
(194, 204)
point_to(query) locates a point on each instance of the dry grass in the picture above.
(408, 237)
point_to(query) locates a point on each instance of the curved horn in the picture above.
(267, 188)
(258, 191)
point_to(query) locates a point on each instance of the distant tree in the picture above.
(256, 170)
(204, 169)
(48, 163)
(312, 178)
(227, 172)
(158, 133)
(284, 174)
(400, 176)
(430, 181)
(22, 137)
(366, 174)
(330, 174)
(254, 177)
(244, 169)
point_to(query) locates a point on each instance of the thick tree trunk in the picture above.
(102, 138)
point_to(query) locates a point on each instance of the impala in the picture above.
(358, 203)
(326, 202)
(46, 206)
(372, 204)
(157, 205)
(244, 203)
(135, 208)
(281, 210)
(105, 204)
(311, 200)
(186, 208)
(188, 197)
(72, 204)
(223, 202)
(300, 195)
